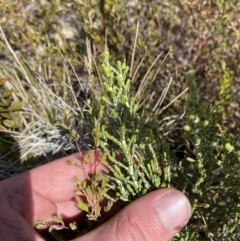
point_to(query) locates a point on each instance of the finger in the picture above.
(48, 190)
(13, 226)
(156, 216)
(53, 181)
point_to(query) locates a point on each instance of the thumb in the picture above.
(158, 215)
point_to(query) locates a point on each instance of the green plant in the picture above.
(9, 108)
(209, 171)
(137, 167)
(136, 156)
(200, 38)
(139, 160)
(10, 121)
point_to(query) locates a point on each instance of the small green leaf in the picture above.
(41, 225)
(63, 126)
(5, 104)
(73, 226)
(83, 206)
(76, 181)
(104, 181)
(79, 193)
(84, 184)
(15, 106)
(57, 219)
(7, 93)
(9, 123)
(5, 115)
(73, 134)
(190, 159)
(79, 1)
(229, 147)
(109, 206)
(88, 191)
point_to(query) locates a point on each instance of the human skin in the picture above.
(47, 190)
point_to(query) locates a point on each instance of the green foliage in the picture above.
(132, 148)
(140, 161)
(200, 38)
(55, 225)
(9, 108)
(210, 179)
(10, 120)
(224, 98)
(136, 156)
(209, 172)
(93, 191)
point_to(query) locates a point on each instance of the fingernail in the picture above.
(174, 209)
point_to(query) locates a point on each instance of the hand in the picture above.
(47, 190)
